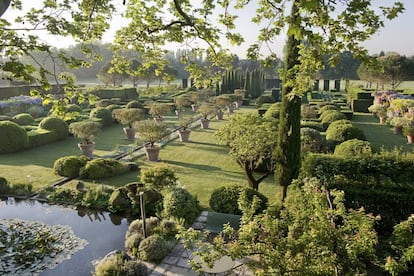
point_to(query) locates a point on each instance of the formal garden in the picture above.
(217, 167)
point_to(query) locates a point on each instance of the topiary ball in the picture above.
(57, 125)
(344, 132)
(312, 140)
(69, 166)
(353, 147)
(73, 108)
(180, 204)
(153, 249)
(23, 119)
(12, 138)
(119, 200)
(102, 168)
(332, 115)
(104, 115)
(225, 199)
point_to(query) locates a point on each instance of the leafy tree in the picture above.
(251, 140)
(109, 76)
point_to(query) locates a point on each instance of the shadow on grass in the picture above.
(192, 166)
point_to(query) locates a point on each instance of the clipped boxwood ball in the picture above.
(344, 132)
(23, 119)
(57, 125)
(102, 168)
(225, 199)
(12, 137)
(153, 249)
(69, 166)
(104, 115)
(179, 203)
(353, 147)
(73, 108)
(331, 117)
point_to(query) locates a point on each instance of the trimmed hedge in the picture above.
(12, 137)
(23, 119)
(225, 199)
(103, 168)
(123, 93)
(361, 105)
(353, 147)
(39, 137)
(69, 166)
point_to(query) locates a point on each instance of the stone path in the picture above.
(175, 264)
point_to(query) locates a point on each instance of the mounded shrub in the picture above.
(104, 115)
(39, 136)
(23, 119)
(328, 107)
(353, 147)
(158, 177)
(5, 118)
(273, 111)
(331, 117)
(69, 166)
(73, 108)
(57, 125)
(312, 140)
(225, 199)
(344, 132)
(136, 226)
(102, 168)
(179, 203)
(117, 265)
(119, 200)
(154, 248)
(4, 186)
(103, 103)
(339, 123)
(12, 137)
(132, 243)
(134, 104)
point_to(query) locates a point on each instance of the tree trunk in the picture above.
(288, 147)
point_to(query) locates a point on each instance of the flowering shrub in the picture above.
(21, 104)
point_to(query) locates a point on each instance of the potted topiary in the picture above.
(205, 109)
(127, 116)
(157, 110)
(151, 132)
(184, 131)
(408, 131)
(85, 131)
(180, 103)
(398, 123)
(379, 111)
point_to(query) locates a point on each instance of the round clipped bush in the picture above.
(225, 199)
(134, 268)
(344, 132)
(331, 117)
(102, 168)
(273, 111)
(136, 226)
(119, 200)
(4, 185)
(134, 104)
(23, 119)
(69, 166)
(12, 137)
(104, 115)
(58, 126)
(117, 264)
(312, 140)
(132, 243)
(73, 108)
(354, 147)
(158, 177)
(179, 203)
(153, 249)
(328, 107)
(337, 123)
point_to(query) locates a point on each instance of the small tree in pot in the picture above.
(180, 103)
(205, 109)
(85, 131)
(151, 132)
(157, 110)
(127, 116)
(184, 131)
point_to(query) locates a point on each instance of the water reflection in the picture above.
(104, 231)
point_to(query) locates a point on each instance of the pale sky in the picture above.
(397, 36)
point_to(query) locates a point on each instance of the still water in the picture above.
(104, 232)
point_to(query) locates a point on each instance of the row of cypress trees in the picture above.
(251, 81)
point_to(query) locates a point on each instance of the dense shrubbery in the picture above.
(353, 147)
(104, 115)
(343, 132)
(225, 199)
(102, 168)
(23, 119)
(158, 177)
(73, 108)
(12, 137)
(326, 107)
(118, 265)
(57, 125)
(264, 99)
(69, 166)
(273, 111)
(330, 116)
(180, 204)
(103, 103)
(312, 140)
(154, 248)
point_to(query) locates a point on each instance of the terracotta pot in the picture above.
(130, 133)
(152, 153)
(87, 149)
(220, 115)
(410, 139)
(205, 123)
(230, 109)
(382, 120)
(398, 130)
(184, 135)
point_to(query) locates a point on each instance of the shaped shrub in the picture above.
(225, 199)
(353, 147)
(69, 166)
(328, 107)
(159, 177)
(12, 137)
(154, 248)
(135, 227)
(117, 265)
(344, 132)
(73, 108)
(179, 203)
(23, 119)
(57, 125)
(119, 200)
(104, 115)
(102, 168)
(273, 111)
(312, 140)
(103, 103)
(331, 116)
(134, 104)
